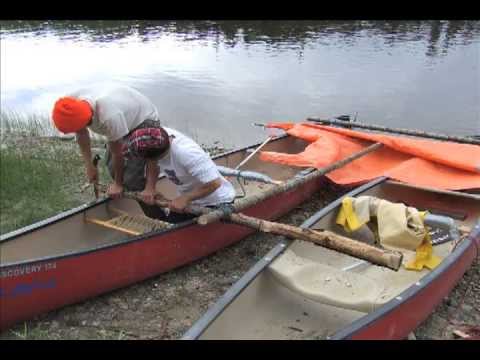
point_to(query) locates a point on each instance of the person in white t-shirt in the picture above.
(185, 163)
(114, 112)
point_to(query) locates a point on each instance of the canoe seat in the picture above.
(325, 284)
(131, 224)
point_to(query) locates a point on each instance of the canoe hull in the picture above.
(279, 310)
(32, 288)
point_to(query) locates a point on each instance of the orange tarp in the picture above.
(439, 164)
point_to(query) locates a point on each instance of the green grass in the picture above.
(39, 176)
(31, 188)
(12, 122)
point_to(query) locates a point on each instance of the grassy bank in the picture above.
(40, 176)
(25, 184)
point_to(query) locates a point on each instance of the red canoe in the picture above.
(88, 251)
(303, 291)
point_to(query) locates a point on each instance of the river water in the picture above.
(213, 79)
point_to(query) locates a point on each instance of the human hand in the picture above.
(115, 190)
(179, 204)
(148, 196)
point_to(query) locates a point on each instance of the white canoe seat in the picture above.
(326, 284)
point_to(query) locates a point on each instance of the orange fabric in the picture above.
(461, 156)
(443, 165)
(70, 114)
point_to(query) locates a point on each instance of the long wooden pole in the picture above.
(288, 185)
(208, 216)
(328, 239)
(418, 133)
(325, 238)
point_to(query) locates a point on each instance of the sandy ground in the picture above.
(164, 307)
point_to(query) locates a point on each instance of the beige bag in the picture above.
(399, 226)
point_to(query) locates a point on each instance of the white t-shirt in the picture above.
(117, 110)
(188, 166)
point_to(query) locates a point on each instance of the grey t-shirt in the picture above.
(117, 109)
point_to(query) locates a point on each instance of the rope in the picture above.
(238, 177)
(226, 208)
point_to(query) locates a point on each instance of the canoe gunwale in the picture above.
(50, 221)
(212, 313)
(84, 207)
(37, 286)
(216, 310)
(143, 237)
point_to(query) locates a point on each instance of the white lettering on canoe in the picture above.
(28, 269)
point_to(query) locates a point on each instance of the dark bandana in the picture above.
(142, 141)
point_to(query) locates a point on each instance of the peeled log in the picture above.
(328, 239)
(387, 258)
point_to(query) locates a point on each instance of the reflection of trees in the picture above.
(435, 33)
(273, 34)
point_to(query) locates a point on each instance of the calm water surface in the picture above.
(213, 79)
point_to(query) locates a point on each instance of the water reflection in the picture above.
(273, 33)
(210, 77)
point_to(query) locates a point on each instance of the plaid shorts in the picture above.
(134, 168)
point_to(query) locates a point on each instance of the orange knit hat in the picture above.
(70, 114)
